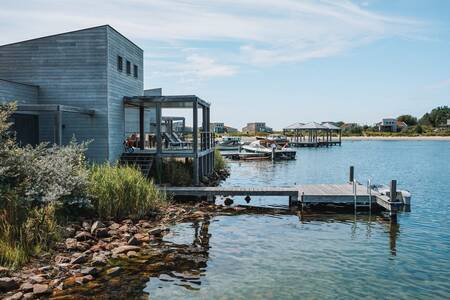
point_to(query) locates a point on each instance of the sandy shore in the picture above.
(396, 138)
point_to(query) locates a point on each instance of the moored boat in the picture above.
(229, 143)
(267, 147)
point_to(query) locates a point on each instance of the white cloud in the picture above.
(252, 32)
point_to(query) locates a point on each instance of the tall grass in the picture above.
(219, 161)
(123, 192)
(25, 229)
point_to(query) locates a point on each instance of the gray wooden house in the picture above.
(86, 84)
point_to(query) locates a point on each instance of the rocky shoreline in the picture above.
(88, 248)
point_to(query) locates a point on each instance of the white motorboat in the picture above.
(267, 147)
(229, 143)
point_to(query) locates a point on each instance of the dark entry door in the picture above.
(26, 128)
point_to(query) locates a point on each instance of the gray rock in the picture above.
(37, 279)
(157, 231)
(71, 244)
(89, 271)
(86, 225)
(113, 271)
(16, 296)
(99, 260)
(41, 289)
(96, 225)
(114, 226)
(27, 296)
(26, 287)
(8, 284)
(59, 259)
(134, 241)
(102, 232)
(84, 236)
(81, 259)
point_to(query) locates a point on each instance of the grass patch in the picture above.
(123, 192)
(219, 161)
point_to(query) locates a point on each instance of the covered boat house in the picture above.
(313, 134)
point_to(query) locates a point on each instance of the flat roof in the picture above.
(177, 101)
(73, 31)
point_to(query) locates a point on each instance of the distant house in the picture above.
(229, 129)
(253, 128)
(217, 127)
(448, 123)
(391, 125)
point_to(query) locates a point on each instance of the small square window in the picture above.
(135, 71)
(119, 63)
(128, 68)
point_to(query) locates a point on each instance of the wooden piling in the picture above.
(352, 174)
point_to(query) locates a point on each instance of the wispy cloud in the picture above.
(249, 32)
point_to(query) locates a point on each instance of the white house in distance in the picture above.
(391, 125)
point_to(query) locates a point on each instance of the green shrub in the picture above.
(122, 192)
(219, 161)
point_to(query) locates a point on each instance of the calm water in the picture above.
(324, 257)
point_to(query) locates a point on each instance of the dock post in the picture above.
(352, 174)
(393, 190)
(393, 198)
(273, 153)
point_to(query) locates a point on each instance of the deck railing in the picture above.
(206, 140)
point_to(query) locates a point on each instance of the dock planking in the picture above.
(305, 194)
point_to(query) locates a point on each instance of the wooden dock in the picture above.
(312, 194)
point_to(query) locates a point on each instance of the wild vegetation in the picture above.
(38, 184)
(118, 192)
(219, 161)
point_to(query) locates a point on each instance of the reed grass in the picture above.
(219, 161)
(123, 192)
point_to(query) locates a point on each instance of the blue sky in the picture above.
(279, 61)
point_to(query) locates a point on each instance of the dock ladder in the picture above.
(355, 192)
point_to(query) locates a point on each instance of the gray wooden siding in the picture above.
(69, 69)
(21, 93)
(119, 85)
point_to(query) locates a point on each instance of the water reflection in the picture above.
(177, 265)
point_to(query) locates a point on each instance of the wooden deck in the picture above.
(298, 194)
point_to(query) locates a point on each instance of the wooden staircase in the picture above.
(142, 161)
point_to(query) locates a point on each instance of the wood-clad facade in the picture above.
(76, 69)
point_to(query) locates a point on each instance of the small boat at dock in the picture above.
(268, 147)
(229, 143)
